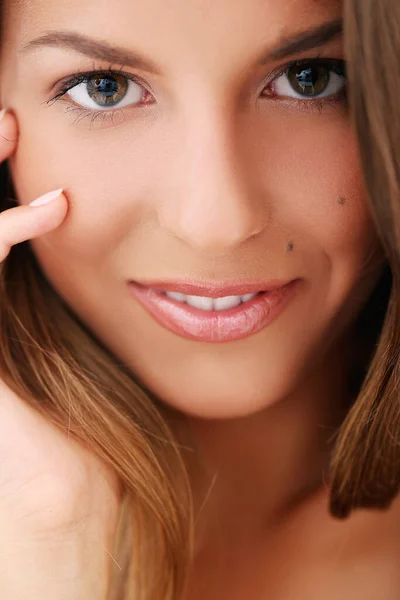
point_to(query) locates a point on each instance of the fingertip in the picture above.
(48, 197)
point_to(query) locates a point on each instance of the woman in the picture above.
(196, 317)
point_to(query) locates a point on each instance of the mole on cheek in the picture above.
(341, 200)
(290, 247)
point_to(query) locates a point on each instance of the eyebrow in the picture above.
(100, 50)
(306, 40)
(92, 48)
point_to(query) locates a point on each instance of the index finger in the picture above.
(8, 134)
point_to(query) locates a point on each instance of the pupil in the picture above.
(106, 86)
(307, 77)
(106, 90)
(310, 81)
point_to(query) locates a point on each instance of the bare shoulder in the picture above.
(311, 556)
(375, 548)
(359, 557)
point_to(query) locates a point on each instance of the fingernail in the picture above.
(47, 198)
(2, 113)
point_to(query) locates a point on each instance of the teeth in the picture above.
(248, 297)
(204, 303)
(227, 302)
(176, 296)
(200, 302)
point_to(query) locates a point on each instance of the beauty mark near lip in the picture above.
(215, 326)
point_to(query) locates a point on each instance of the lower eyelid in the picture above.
(98, 119)
(83, 114)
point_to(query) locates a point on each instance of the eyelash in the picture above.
(316, 104)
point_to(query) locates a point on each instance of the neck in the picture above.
(249, 473)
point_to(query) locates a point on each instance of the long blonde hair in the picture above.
(366, 464)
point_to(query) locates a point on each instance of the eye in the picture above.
(310, 80)
(105, 91)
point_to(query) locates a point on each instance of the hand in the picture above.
(58, 510)
(58, 502)
(23, 223)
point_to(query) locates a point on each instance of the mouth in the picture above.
(214, 313)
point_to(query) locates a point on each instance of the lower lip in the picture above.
(215, 326)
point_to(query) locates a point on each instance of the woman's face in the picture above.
(203, 154)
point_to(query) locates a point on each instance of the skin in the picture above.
(58, 502)
(211, 182)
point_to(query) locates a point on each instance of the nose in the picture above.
(214, 204)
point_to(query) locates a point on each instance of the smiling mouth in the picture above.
(218, 317)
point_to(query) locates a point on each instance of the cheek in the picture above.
(106, 196)
(317, 197)
(317, 188)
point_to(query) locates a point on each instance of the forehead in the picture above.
(207, 25)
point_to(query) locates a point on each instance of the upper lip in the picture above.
(214, 290)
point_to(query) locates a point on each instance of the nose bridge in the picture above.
(214, 205)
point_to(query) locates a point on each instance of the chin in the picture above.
(219, 403)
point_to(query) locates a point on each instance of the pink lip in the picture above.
(215, 326)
